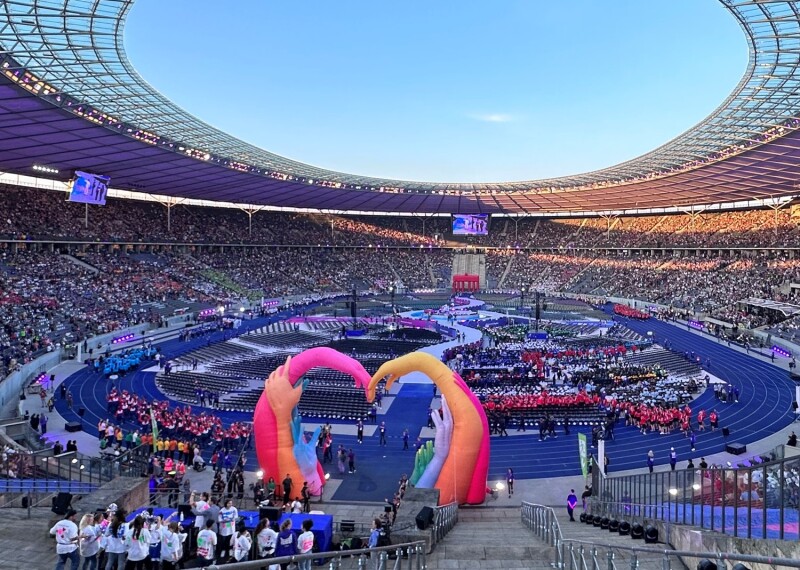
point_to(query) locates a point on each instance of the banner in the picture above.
(583, 452)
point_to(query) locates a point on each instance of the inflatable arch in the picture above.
(456, 463)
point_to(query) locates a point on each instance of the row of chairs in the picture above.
(572, 329)
(376, 346)
(668, 360)
(254, 368)
(215, 353)
(284, 339)
(578, 416)
(184, 385)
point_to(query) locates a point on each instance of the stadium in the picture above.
(629, 334)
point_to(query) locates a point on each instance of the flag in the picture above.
(154, 426)
(583, 453)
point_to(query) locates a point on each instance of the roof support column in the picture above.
(169, 203)
(775, 209)
(250, 210)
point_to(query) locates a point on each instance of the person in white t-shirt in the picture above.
(66, 533)
(90, 534)
(227, 526)
(296, 506)
(206, 543)
(265, 539)
(199, 508)
(138, 539)
(115, 541)
(172, 540)
(305, 543)
(242, 542)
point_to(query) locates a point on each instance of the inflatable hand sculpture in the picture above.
(462, 476)
(421, 461)
(441, 446)
(280, 443)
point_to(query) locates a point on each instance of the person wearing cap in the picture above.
(66, 533)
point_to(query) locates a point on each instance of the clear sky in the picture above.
(443, 90)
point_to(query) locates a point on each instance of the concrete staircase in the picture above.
(470, 264)
(488, 537)
(80, 263)
(506, 271)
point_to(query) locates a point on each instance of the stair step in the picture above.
(502, 550)
(490, 538)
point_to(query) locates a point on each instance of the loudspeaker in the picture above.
(387, 508)
(61, 503)
(651, 534)
(424, 518)
(72, 426)
(736, 448)
(794, 406)
(273, 514)
(726, 432)
(706, 564)
(81, 412)
(347, 526)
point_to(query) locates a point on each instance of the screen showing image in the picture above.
(89, 188)
(470, 224)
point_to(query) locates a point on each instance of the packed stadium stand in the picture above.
(626, 304)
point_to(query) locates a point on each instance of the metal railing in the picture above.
(542, 521)
(570, 554)
(39, 475)
(409, 555)
(589, 556)
(444, 519)
(747, 501)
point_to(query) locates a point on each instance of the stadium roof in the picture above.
(70, 99)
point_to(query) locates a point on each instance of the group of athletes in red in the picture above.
(179, 422)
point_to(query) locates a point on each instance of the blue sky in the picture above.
(443, 90)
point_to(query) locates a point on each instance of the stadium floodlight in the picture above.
(45, 169)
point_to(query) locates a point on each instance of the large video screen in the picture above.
(89, 188)
(470, 224)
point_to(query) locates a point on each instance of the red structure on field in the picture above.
(465, 283)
